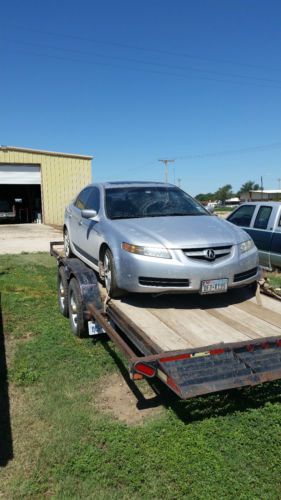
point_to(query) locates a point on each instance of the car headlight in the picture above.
(159, 252)
(246, 246)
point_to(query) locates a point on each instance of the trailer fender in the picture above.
(86, 280)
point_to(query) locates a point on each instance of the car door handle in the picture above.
(80, 223)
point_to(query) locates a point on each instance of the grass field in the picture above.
(56, 441)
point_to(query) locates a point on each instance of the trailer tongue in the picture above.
(216, 345)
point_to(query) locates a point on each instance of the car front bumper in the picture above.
(136, 273)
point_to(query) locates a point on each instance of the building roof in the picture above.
(43, 152)
(266, 191)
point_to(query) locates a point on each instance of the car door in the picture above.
(261, 232)
(90, 238)
(75, 217)
(242, 216)
(275, 250)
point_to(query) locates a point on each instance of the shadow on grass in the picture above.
(6, 442)
(201, 407)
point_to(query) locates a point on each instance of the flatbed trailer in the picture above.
(194, 344)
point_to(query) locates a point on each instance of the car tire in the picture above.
(63, 292)
(66, 242)
(78, 324)
(110, 276)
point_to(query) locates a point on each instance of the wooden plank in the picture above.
(269, 303)
(267, 316)
(165, 337)
(199, 327)
(252, 328)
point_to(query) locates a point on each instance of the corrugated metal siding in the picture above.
(62, 178)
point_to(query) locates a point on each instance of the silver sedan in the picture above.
(154, 238)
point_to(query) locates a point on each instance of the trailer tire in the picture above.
(78, 324)
(63, 292)
(66, 243)
(110, 276)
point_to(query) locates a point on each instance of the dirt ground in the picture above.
(118, 400)
(18, 238)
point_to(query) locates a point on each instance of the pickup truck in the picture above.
(262, 221)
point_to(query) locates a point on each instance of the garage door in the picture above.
(20, 174)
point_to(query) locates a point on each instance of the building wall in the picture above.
(62, 177)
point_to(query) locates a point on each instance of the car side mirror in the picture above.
(88, 213)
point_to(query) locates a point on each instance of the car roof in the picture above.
(120, 184)
(264, 202)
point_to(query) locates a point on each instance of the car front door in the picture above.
(90, 238)
(261, 232)
(75, 217)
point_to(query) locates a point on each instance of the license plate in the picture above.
(214, 286)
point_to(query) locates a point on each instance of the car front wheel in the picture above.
(110, 276)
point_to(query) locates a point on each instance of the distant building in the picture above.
(39, 184)
(261, 195)
(232, 202)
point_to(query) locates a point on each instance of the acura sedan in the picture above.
(154, 238)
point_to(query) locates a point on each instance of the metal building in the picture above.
(37, 185)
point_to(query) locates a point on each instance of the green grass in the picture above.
(225, 445)
(274, 279)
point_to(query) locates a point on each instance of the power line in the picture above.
(154, 71)
(152, 63)
(146, 48)
(252, 149)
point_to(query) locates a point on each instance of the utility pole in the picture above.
(279, 181)
(166, 163)
(179, 183)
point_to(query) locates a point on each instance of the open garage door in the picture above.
(20, 194)
(20, 174)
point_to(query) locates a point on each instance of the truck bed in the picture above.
(179, 322)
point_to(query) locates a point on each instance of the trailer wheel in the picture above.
(76, 316)
(110, 276)
(63, 292)
(66, 240)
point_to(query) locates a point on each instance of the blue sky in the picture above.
(130, 82)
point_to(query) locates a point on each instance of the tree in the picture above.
(204, 197)
(224, 192)
(248, 186)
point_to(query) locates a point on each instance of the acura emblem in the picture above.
(210, 254)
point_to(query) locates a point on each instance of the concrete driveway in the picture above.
(17, 238)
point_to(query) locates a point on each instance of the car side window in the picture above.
(279, 224)
(262, 217)
(242, 216)
(93, 202)
(82, 199)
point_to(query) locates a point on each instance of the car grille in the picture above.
(164, 282)
(202, 253)
(245, 275)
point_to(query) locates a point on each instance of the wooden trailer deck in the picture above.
(177, 322)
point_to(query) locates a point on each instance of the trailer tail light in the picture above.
(145, 369)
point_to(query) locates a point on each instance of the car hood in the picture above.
(179, 232)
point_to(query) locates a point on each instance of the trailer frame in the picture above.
(187, 372)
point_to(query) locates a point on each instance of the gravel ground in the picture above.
(18, 238)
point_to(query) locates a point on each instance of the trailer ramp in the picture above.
(200, 373)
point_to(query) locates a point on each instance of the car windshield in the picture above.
(150, 201)
(5, 206)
